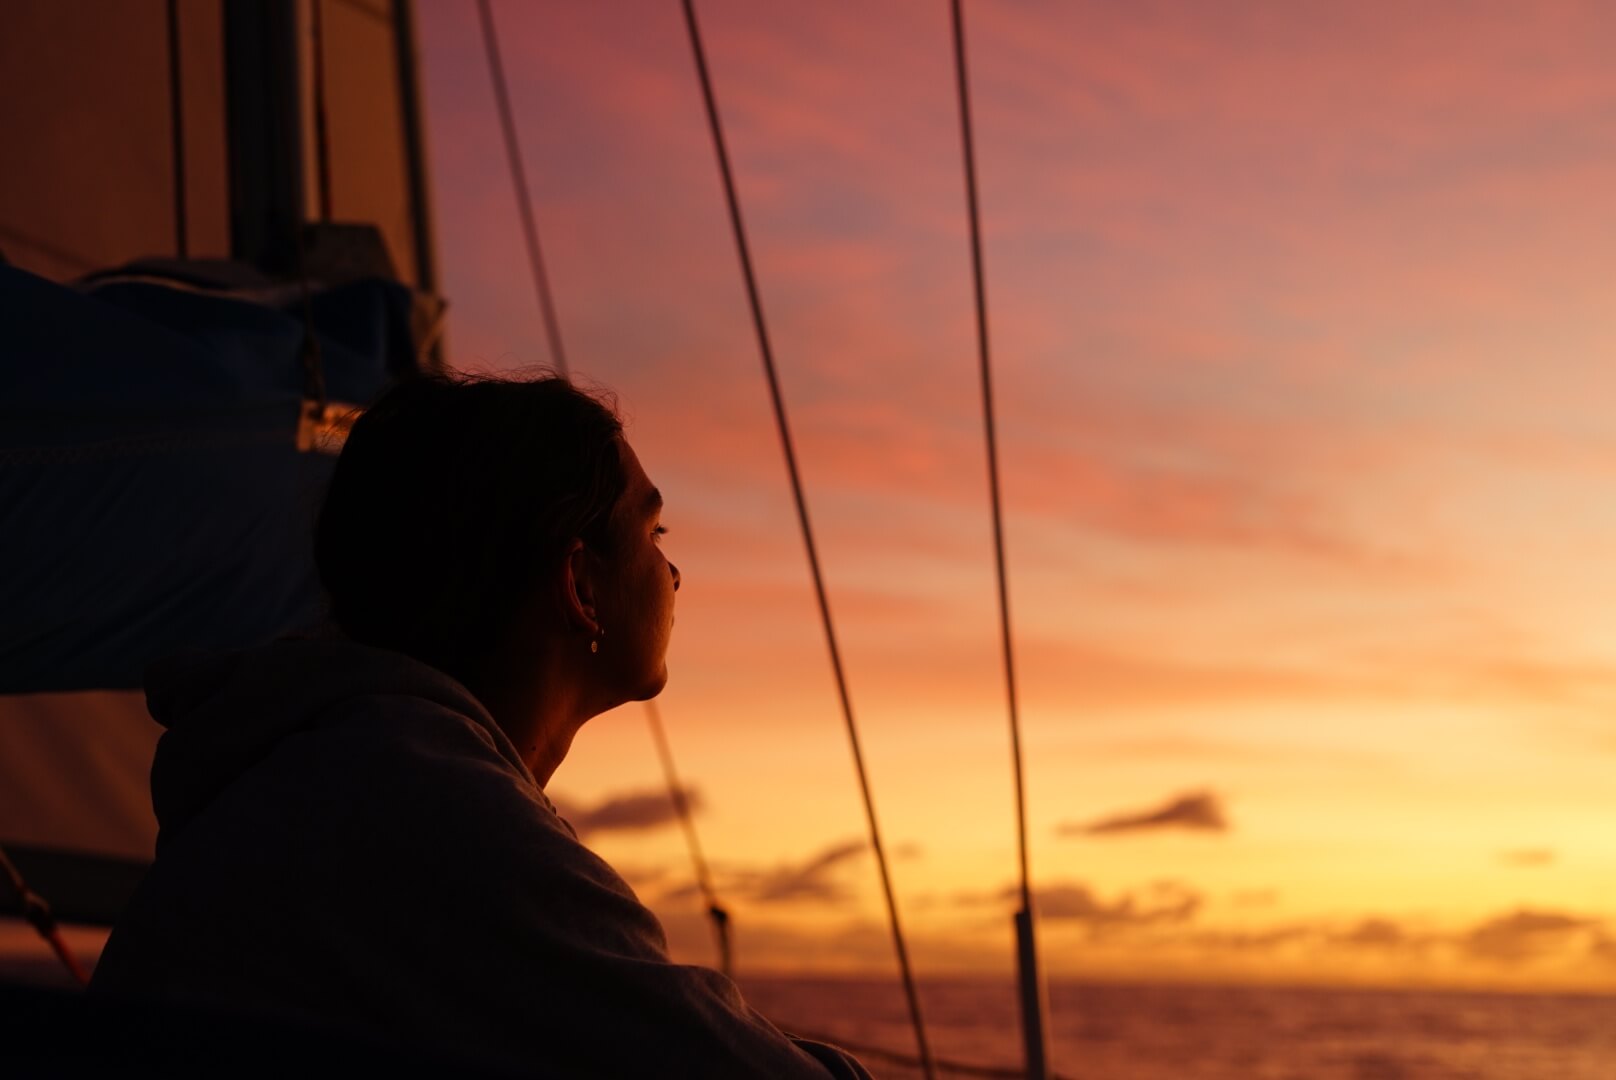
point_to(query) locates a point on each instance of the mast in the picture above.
(264, 132)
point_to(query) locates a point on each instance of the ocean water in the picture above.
(1157, 1032)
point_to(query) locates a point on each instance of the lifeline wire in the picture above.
(1033, 1024)
(681, 805)
(767, 352)
(524, 200)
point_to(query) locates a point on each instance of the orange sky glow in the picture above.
(1305, 353)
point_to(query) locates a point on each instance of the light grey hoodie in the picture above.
(346, 834)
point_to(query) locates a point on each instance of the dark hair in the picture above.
(452, 495)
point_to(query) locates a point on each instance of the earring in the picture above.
(594, 645)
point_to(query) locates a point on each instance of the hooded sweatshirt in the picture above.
(346, 834)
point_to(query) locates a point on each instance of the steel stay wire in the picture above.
(743, 249)
(716, 911)
(1032, 1019)
(980, 290)
(681, 805)
(524, 198)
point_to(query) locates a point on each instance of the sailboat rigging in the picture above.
(524, 195)
(264, 212)
(766, 353)
(1029, 985)
(717, 914)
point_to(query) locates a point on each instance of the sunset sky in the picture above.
(1305, 351)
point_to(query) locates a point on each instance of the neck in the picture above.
(537, 711)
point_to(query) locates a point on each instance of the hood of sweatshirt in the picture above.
(225, 712)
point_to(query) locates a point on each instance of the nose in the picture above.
(674, 570)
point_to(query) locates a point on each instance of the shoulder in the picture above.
(424, 776)
(414, 760)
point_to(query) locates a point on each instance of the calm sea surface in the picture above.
(1110, 1032)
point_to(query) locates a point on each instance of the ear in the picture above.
(580, 583)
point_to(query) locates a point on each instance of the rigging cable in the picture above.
(176, 116)
(767, 353)
(1032, 1020)
(716, 912)
(32, 906)
(681, 805)
(524, 199)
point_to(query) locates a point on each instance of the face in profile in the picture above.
(635, 608)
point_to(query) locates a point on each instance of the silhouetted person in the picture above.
(353, 825)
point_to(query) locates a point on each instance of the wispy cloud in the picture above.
(774, 940)
(1278, 394)
(1507, 939)
(1199, 811)
(1271, 752)
(1162, 928)
(1257, 940)
(1369, 933)
(629, 811)
(1525, 934)
(1164, 902)
(814, 879)
(819, 877)
(1375, 932)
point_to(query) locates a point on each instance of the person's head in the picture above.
(483, 524)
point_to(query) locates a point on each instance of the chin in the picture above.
(652, 686)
